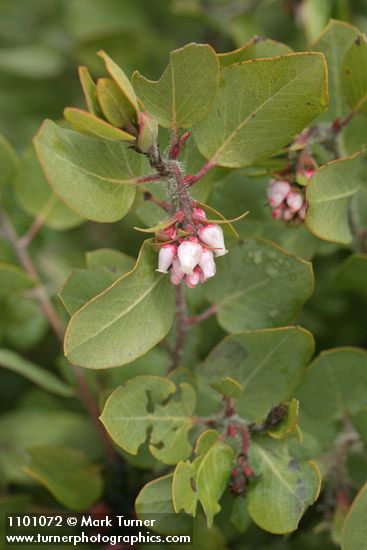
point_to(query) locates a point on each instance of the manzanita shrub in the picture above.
(237, 169)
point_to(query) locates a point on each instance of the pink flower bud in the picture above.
(176, 274)
(307, 172)
(199, 215)
(176, 269)
(288, 214)
(207, 264)
(294, 200)
(194, 279)
(302, 211)
(212, 235)
(179, 216)
(277, 192)
(175, 280)
(277, 213)
(168, 234)
(189, 253)
(171, 231)
(165, 258)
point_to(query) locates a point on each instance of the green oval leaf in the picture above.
(36, 198)
(256, 48)
(30, 427)
(289, 90)
(354, 533)
(141, 404)
(82, 285)
(67, 474)
(334, 385)
(110, 260)
(43, 378)
(268, 364)
(185, 91)
(155, 500)
(258, 285)
(91, 125)
(90, 91)
(90, 175)
(126, 320)
(282, 488)
(104, 267)
(334, 42)
(352, 274)
(205, 479)
(13, 279)
(329, 193)
(121, 80)
(354, 78)
(8, 161)
(115, 106)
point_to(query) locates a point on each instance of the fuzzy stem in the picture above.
(170, 172)
(191, 180)
(184, 197)
(49, 312)
(176, 147)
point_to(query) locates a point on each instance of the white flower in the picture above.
(189, 253)
(165, 258)
(295, 201)
(199, 215)
(177, 273)
(207, 264)
(277, 213)
(277, 192)
(193, 279)
(212, 235)
(288, 214)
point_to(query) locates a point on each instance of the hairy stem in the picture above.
(170, 172)
(20, 247)
(191, 180)
(184, 198)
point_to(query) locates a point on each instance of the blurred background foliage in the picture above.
(42, 42)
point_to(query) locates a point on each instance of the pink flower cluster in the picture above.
(191, 259)
(286, 201)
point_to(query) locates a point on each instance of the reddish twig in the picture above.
(176, 148)
(147, 179)
(181, 328)
(165, 205)
(191, 180)
(48, 310)
(196, 319)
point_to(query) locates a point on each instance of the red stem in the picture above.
(165, 205)
(181, 328)
(147, 179)
(196, 319)
(245, 439)
(48, 310)
(191, 180)
(176, 147)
